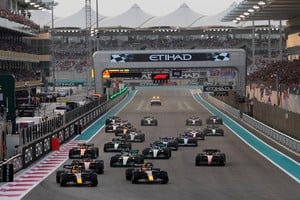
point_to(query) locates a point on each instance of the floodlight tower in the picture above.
(88, 43)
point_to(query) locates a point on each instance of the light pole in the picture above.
(52, 46)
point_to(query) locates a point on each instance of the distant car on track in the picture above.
(210, 157)
(113, 120)
(84, 150)
(134, 136)
(94, 165)
(149, 121)
(155, 101)
(171, 142)
(193, 121)
(195, 133)
(126, 158)
(214, 120)
(213, 130)
(157, 151)
(186, 140)
(117, 145)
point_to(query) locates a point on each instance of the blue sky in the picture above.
(111, 8)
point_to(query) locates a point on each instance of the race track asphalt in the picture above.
(247, 175)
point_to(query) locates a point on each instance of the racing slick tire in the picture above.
(94, 179)
(58, 174)
(128, 174)
(222, 161)
(164, 176)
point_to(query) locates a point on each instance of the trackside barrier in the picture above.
(278, 136)
(38, 148)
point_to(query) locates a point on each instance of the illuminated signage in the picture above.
(169, 57)
(160, 76)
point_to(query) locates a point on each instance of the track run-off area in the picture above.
(254, 170)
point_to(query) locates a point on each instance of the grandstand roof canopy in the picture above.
(249, 10)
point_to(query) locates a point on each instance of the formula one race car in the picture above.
(123, 129)
(117, 127)
(214, 120)
(155, 101)
(193, 121)
(186, 140)
(75, 175)
(145, 173)
(94, 165)
(195, 133)
(117, 145)
(113, 120)
(84, 150)
(210, 157)
(157, 151)
(171, 142)
(148, 121)
(134, 136)
(213, 130)
(127, 158)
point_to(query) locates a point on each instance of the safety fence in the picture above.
(36, 147)
(276, 135)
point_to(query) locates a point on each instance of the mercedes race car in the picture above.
(157, 151)
(214, 120)
(213, 130)
(84, 150)
(113, 120)
(155, 101)
(117, 145)
(186, 140)
(171, 142)
(195, 133)
(126, 158)
(94, 165)
(210, 157)
(145, 173)
(75, 175)
(148, 121)
(134, 136)
(193, 121)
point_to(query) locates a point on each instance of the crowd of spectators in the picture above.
(285, 72)
(21, 18)
(73, 56)
(14, 45)
(23, 74)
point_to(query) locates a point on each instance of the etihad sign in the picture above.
(170, 57)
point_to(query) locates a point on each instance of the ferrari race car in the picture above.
(126, 158)
(148, 121)
(117, 145)
(195, 133)
(157, 151)
(84, 150)
(214, 120)
(145, 173)
(186, 140)
(171, 142)
(210, 157)
(113, 120)
(213, 130)
(93, 165)
(155, 101)
(193, 121)
(75, 175)
(134, 136)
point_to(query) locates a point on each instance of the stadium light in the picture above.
(250, 10)
(261, 3)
